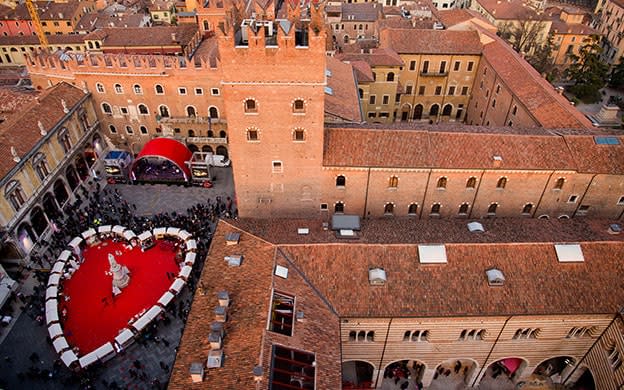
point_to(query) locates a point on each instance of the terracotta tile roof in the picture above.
(21, 130)
(208, 49)
(363, 71)
(145, 36)
(344, 102)
(60, 39)
(47, 11)
(591, 157)
(377, 57)
(535, 282)
(413, 41)
(454, 16)
(247, 343)
(361, 12)
(509, 9)
(431, 149)
(421, 231)
(90, 22)
(401, 22)
(560, 27)
(548, 107)
(161, 5)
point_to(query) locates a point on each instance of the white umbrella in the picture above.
(118, 229)
(51, 292)
(189, 259)
(60, 344)
(54, 331)
(185, 272)
(69, 357)
(64, 255)
(191, 244)
(88, 233)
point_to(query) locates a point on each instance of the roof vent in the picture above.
(495, 277)
(197, 372)
(281, 271)
(220, 313)
(329, 91)
(300, 316)
(16, 158)
(376, 276)
(232, 238)
(615, 228)
(303, 231)
(257, 372)
(215, 340)
(475, 227)
(42, 129)
(215, 357)
(432, 254)
(224, 298)
(234, 260)
(569, 253)
(498, 160)
(64, 104)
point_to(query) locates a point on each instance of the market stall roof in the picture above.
(169, 149)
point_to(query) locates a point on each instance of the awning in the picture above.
(168, 149)
(69, 357)
(75, 242)
(118, 229)
(60, 344)
(173, 231)
(190, 258)
(105, 229)
(511, 364)
(64, 255)
(145, 236)
(88, 233)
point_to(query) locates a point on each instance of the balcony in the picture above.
(434, 74)
(206, 140)
(189, 119)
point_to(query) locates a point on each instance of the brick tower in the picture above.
(274, 84)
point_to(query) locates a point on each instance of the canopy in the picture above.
(190, 258)
(145, 235)
(54, 280)
(153, 312)
(173, 231)
(185, 272)
(75, 242)
(60, 344)
(118, 229)
(51, 305)
(64, 255)
(165, 299)
(191, 244)
(105, 229)
(69, 357)
(129, 235)
(52, 291)
(104, 350)
(511, 364)
(176, 286)
(160, 231)
(123, 337)
(58, 267)
(168, 149)
(184, 235)
(51, 316)
(55, 331)
(88, 359)
(141, 323)
(88, 233)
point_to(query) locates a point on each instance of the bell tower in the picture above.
(273, 80)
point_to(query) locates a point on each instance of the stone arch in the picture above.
(50, 207)
(72, 177)
(403, 368)
(451, 373)
(556, 368)
(39, 220)
(81, 167)
(507, 369)
(26, 237)
(222, 150)
(405, 112)
(357, 373)
(418, 111)
(207, 149)
(60, 192)
(193, 148)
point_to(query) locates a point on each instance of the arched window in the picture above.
(213, 112)
(64, 140)
(463, 209)
(389, 209)
(206, 25)
(250, 106)
(492, 208)
(191, 133)
(527, 208)
(100, 88)
(341, 181)
(210, 134)
(159, 89)
(137, 89)
(390, 76)
(14, 194)
(143, 130)
(361, 93)
(418, 110)
(129, 130)
(446, 111)
(118, 89)
(298, 135)
(298, 106)
(339, 207)
(501, 183)
(106, 109)
(435, 208)
(222, 134)
(164, 111)
(352, 335)
(112, 129)
(472, 182)
(412, 209)
(433, 111)
(143, 109)
(393, 182)
(441, 183)
(190, 112)
(40, 165)
(559, 183)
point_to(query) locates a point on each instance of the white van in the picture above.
(220, 161)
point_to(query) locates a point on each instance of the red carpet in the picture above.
(92, 321)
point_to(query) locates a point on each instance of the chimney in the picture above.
(497, 160)
(173, 37)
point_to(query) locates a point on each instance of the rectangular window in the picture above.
(277, 167)
(282, 313)
(372, 99)
(182, 91)
(425, 68)
(451, 91)
(408, 90)
(456, 66)
(124, 110)
(199, 91)
(384, 115)
(438, 90)
(442, 66)
(385, 99)
(412, 65)
(421, 90)
(372, 115)
(214, 91)
(464, 91)
(582, 210)
(292, 369)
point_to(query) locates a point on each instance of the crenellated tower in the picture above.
(274, 83)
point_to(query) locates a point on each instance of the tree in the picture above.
(617, 75)
(541, 59)
(588, 71)
(523, 35)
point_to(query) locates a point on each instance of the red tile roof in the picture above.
(363, 71)
(145, 36)
(21, 130)
(361, 12)
(594, 158)
(549, 108)
(344, 102)
(247, 343)
(413, 41)
(509, 9)
(377, 57)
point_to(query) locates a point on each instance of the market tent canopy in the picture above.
(511, 364)
(168, 149)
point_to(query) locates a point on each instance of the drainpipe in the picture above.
(539, 202)
(422, 207)
(366, 193)
(580, 202)
(491, 350)
(474, 199)
(383, 352)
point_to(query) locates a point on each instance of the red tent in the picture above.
(169, 149)
(511, 364)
